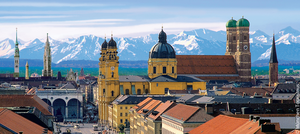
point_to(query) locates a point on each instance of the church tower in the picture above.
(16, 58)
(231, 37)
(108, 77)
(47, 72)
(273, 65)
(27, 71)
(162, 58)
(238, 46)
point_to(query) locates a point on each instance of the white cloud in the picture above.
(47, 4)
(60, 30)
(31, 17)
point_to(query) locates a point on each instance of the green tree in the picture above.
(121, 128)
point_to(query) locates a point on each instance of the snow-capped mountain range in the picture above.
(195, 42)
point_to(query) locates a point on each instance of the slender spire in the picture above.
(47, 38)
(273, 56)
(17, 36)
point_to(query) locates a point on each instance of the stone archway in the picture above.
(74, 108)
(47, 101)
(59, 109)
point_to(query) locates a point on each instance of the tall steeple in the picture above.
(273, 65)
(16, 57)
(27, 71)
(47, 72)
(273, 56)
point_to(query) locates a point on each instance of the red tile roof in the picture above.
(181, 112)
(24, 100)
(294, 132)
(206, 64)
(161, 109)
(141, 104)
(149, 106)
(219, 125)
(249, 91)
(18, 123)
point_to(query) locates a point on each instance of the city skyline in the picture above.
(134, 18)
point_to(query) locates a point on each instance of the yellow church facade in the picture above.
(162, 76)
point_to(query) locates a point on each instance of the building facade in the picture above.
(162, 75)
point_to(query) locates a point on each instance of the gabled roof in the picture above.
(143, 103)
(133, 78)
(285, 88)
(149, 106)
(181, 112)
(180, 78)
(249, 91)
(206, 64)
(161, 109)
(219, 125)
(18, 123)
(25, 100)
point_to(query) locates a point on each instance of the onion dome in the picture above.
(231, 23)
(242, 22)
(162, 49)
(112, 43)
(104, 45)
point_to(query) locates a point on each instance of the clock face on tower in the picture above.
(245, 47)
(112, 68)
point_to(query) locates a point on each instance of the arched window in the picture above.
(154, 70)
(112, 74)
(164, 70)
(127, 91)
(121, 120)
(146, 91)
(112, 93)
(103, 91)
(139, 92)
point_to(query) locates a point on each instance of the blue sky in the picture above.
(132, 18)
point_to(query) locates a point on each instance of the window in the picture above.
(164, 70)
(125, 107)
(121, 120)
(126, 114)
(127, 91)
(146, 91)
(112, 74)
(234, 38)
(157, 84)
(245, 37)
(112, 93)
(154, 70)
(139, 92)
(103, 91)
(172, 70)
(121, 114)
(130, 107)
(126, 120)
(121, 108)
(166, 90)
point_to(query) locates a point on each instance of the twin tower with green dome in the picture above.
(238, 45)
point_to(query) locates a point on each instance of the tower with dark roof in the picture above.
(162, 58)
(108, 80)
(238, 46)
(47, 71)
(273, 65)
(16, 58)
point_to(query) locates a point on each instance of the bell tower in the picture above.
(273, 65)
(108, 77)
(231, 37)
(16, 58)
(243, 54)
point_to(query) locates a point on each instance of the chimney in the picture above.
(256, 118)
(263, 121)
(267, 128)
(250, 117)
(209, 108)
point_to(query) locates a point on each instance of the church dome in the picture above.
(162, 49)
(231, 23)
(112, 43)
(242, 22)
(104, 45)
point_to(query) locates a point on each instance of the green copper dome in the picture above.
(242, 22)
(231, 23)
